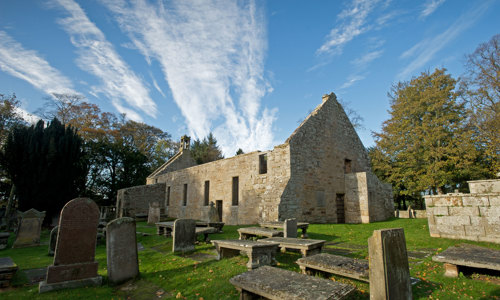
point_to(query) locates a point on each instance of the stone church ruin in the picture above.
(321, 174)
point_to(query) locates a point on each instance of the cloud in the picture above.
(361, 62)
(97, 56)
(426, 49)
(28, 65)
(28, 117)
(429, 7)
(353, 23)
(351, 80)
(212, 56)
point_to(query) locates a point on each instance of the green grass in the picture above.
(165, 275)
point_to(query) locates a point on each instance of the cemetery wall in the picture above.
(135, 200)
(484, 186)
(465, 216)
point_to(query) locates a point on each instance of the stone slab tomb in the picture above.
(30, 226)
(74, 259)
(259, 253)
(306, 247)
(290, 228)
(275, 225)
(335, 264)
(154, 212)
(53, 240)
(121, 250)
(7, 270)
(389, 269)
(184, 235)
(249, 232)
(275, 283)
(468, 256)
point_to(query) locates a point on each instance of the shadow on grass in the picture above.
(425, 288)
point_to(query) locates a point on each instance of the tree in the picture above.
(481, 89)
(206, 150)
(426, 145)
(240, 151)
(9, 115)
(46, 164)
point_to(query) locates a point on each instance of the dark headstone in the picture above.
(4, 239)
(7, 270)
(184, 235)
(290, 228)
(30, 226)
(154, 212)
(122, 255)
(53, 240)
(389, 270)
(74, 262)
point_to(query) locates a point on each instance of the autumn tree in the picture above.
(206, 150)
(46, 165)
(9, 115)
(426, 145)
(481, 89)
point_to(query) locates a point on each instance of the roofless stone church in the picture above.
(321, 174)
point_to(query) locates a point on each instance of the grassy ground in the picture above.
(198, 275)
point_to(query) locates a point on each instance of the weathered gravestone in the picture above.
(154, 212)
(389, 270)
(121, 250)
(53, 240)
(184, 235)
(290, 228)
(74, 262)
(213, 215)
(28, 233)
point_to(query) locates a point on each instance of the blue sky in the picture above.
(249, 71)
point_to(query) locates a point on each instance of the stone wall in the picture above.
(135, 200)
(484, 186)
(181, 160)
(464, 216)
(258, 194)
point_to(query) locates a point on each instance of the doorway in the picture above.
(340, 208)
(218, 206)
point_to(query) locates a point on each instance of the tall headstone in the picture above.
(74, 259)
(184, 235)
(30, 226)
(290, 228)
(53, 240)
(154, 212)
(121, 250)
(389, 270)
(213, 216)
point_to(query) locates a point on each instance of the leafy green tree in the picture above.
(206, 150)
(46, 164)
(481, 89)
(426, 145)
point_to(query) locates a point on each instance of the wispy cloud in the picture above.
(367, 58)
(425, 50)
(350, 81)
(430, 6)
(98, 57)
(28, 117)
(28, 65)
(212, 54)
(353, 22)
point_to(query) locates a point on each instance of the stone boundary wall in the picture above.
(135, 200)
(411, 214)
(473, 217)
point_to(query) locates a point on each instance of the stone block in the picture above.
(492, 230)
(433, 229)
(478, 221)
(439, 210)
(475, 201)
(463, 211)
(489, 239)
(494, 200)
(451, 230)
(121, 250)
(453, 220)
(492, 211)
(474, 230)
(429, 202)
(431, 220)
(389, 269)
(448, 201)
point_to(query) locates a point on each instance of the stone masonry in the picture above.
(474, 216)
(320, 174)
(136, 200)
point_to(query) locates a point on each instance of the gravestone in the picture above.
(154, 212)
(53, 240)
(389, 270)
(122, 257)
(74, 259)
(290, 228)
(213, 215)
(30, 226)
(184, 235)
